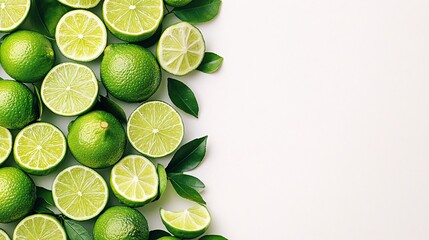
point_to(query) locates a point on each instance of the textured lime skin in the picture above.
(92, 144)
(168, 238)
(177, 3)
(18, 105)
(130, 72)
(121, 222)
(27, 56)
(17, 194)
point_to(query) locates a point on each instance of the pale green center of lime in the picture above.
(2, 6)
(132, 7)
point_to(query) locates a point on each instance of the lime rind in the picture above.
(3, 235)
(162, 176)
(80, 3)
(39, 226)
(13, 14)
(5, 144)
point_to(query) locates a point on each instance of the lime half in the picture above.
(39, 148)
(181, 49)
(13, 14)
(5, 144)
(80, 3)
(189, 223)
(80, 193)
(3, 235)
(155, 129)
(40, 227)
(70, 89)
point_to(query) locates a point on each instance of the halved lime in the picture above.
(155, 129)
(5, 144)
(70, 89)
(134, 180)
(80, 193)
(189, 223)
(181, 49)
(13, 14)
(80, 3)
(3, 235)
(81, 35)
(162, 176)
(39, 148)
(40, 227)
(132, 20)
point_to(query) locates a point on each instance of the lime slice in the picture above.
(80, 193)
(134, 180)
(155, 129)
(3, 235)
(41, 227)
(80, 3)
(13, 14)
(5, 144)
(39, 148)
(70, 89)
(162, 176)
(189, 223)
(132, 20)
(180, 49)
(81, 35)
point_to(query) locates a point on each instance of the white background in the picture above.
(318, 121)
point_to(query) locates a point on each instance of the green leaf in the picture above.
(183, 97)
(213, 237)
(211, 63)
(110, 106)
(189, 156)
(156, 234)
(41, 206)
(198, 11)
(46, 195)
(40, 102)
(75, 231)
(186, 191)
(188, 180)
(50, 12)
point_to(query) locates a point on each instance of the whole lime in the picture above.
(121, 222)
(17, 194)
(130, 72)
(27, 56)
(97, 139)
(18, 105)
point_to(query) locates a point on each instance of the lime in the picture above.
(180, 49)
(17, 194)
(97, 139)
(13, 13)
(168, 238)
(18, 105)
(120, 222)
(162, 176)
(177, 3)
(27, 56)
(39, 148)
(3, 235)
(5, 144)
(81, 35)
(80, 193)
(40, 227)
(130, 72)
(80, 3)
(134, 180)
(70, 89)
(131, 20)
(189, 223)
(155, 129)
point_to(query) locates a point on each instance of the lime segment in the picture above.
(41, 227)
(3, 235)
(5, 144)
(13, 14)
(80, 3)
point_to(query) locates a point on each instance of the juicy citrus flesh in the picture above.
(155, 129)
(80, 3)
(69, 89)
(5, 144)
(3, 235)
(40, 227)
(80, 193)
(181, 49)
(81, 35)
(39, 148)
(13, 13)
(192, 220)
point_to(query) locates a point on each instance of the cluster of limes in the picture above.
(96, 138)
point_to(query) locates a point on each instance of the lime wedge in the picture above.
(81, 35)
(155, 129)
(180, 49)
(80, 3)
(41, 227)
(3, 235)
(39, 148)
(189, 223)
(134, 180)
(13, 14)
(69, 89)
(80, 193)
(5, 144)
(132, 20)
(162, 176)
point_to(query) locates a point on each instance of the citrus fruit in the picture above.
(180, 49)
(120, 222)
(40, 227)
(189, 223)
(162, 176)
(80, 193)
(3, 235)
(81, 35)
(177, 3)
(39, 148)
(13, 13)
(131, 20)
(130, 72)
(168, 238)
(5, 144)
(80, 3)
(69, 89)
(27, 56)
(18, 105)
(134, 180)
(97, 139)
(155, 129)
(17, 194)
